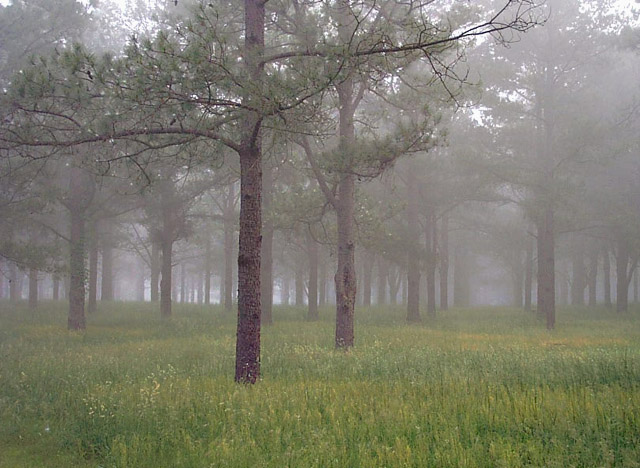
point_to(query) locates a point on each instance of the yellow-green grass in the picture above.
(475, 388)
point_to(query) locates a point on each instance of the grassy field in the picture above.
(476, 388)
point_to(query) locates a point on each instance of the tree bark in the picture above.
(14, 286)
(431, 248)
(444, 263)
(155, 271)
(413, 249)
(593, 276)
(93, 268)
(578, 282)
(345, 278)
(312, 295)
(229, 217)
(546, 268)
(369, 260)
(528, 276)
(606, 276)
(383, 274)
(33, 288)
(107, 269)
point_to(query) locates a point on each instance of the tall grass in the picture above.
(475, 388)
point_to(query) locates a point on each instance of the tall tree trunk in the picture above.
(155, 271)
(93, 267)
(606, 276)
(624, 273)
(312, 250)
(431, 244)
(578, 276)
(461, 288)
(165, 281)
(141, 278)
(383, 274)
(33, 288)
(593, 276)
(413, 240)
(546, 268)
(444, 263)
(299, 283)
(14, 293)
(528, 276)
(266, 265)
(286, 291)
(322, 283)
(183, 283)
(369, 260)
(107, 269)
(229, 217)
(56, 287)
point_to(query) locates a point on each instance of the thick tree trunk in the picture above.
(155, 271)
(33, 288)
(444, 263)
(93, 268)
(312, 250)
(546, 268)
(345, 278)
(593, 277)
(606, 276)
(413, 248)
(249, 307)
(528, 276)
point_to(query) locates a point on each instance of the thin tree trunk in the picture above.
(383, 274)
(107, 270)
(546, 269)
(369, 260)
(299, 283)
(56, 287)
(578, 277)
(444, 263)
(430, 241)
(312, 249)
(33, 288)
(322, 283)
(165, 281)
(528, 276)
(606, 276)
(593, 277)
(14, 293)
(266, 265)
(228, 249)
(622, 276)
(413, 240)
(93, 268)
(155, 271)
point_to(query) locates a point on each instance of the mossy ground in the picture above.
(475, 388)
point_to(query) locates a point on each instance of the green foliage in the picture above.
(476, 388)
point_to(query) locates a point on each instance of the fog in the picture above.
(324, 155)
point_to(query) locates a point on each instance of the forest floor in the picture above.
(483, 387)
